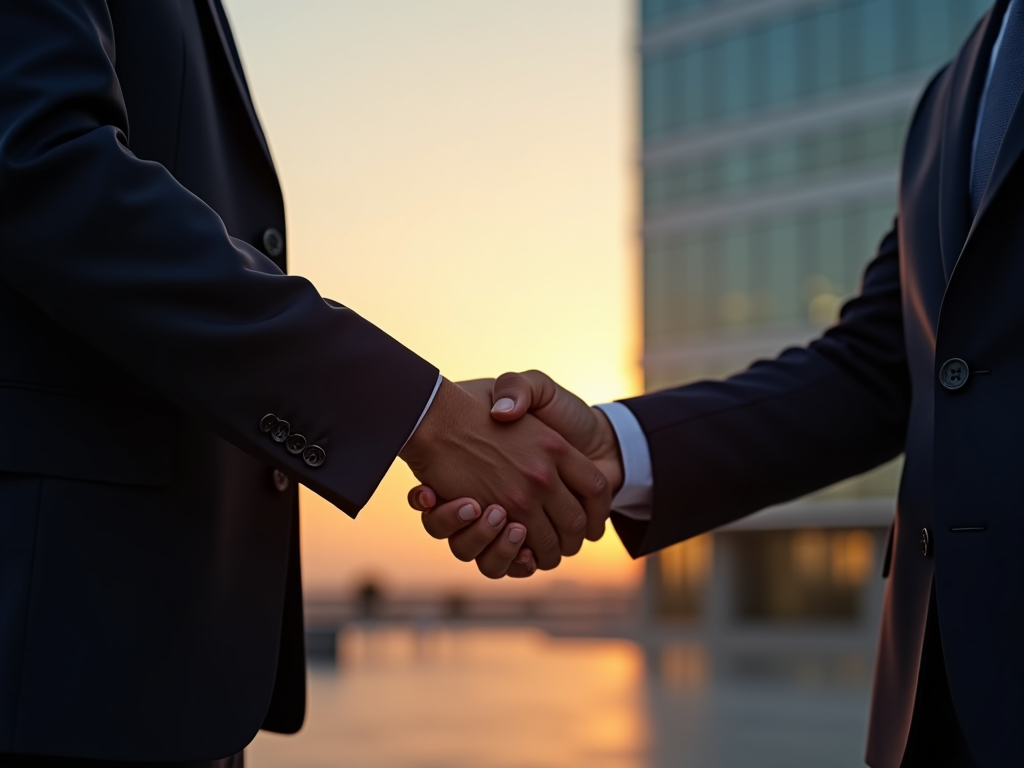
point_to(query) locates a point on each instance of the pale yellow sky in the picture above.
(462, 173)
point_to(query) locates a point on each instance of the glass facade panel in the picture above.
(827, 47)
(782, 62)
(779, 256)
(877, 39)
(692, 87)
(694, 296)
(932, 33)
(736, 68)
(851, 58)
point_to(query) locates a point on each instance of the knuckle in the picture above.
(577, 523)
(547, 542)
(549, 563)
(541, 476)
(554, 444)
(517, 500)
(488, 569)
(459, 553)
(429, 525)
(508, 380)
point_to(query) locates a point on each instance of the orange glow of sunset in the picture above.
(461, 174)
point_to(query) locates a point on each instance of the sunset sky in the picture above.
(462, 173)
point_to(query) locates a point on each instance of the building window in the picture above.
(806, 575)
(837, 45)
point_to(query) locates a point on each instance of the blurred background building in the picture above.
(771, 135)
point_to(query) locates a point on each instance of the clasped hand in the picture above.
(515, 472)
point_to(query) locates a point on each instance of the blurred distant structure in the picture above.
(771, 136)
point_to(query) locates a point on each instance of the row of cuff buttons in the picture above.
(280, 431)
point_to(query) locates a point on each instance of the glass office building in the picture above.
(771, 136)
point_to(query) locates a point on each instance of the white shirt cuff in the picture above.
(426, 408)
(635, 498)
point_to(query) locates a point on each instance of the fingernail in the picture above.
(467, 512)
(495, 517)
(515, 535)
(504, 405)
(424, 500)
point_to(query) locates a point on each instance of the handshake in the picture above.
(515, 472)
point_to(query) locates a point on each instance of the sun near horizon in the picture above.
(462, 175)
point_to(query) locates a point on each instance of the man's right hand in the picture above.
(543, 482)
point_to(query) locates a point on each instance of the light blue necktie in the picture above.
(1004, 91)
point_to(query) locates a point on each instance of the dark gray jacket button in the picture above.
(926, 542)
(273, 243)
(954, 373)
(295, 444)
(280, 431)
(281, 481)
(267, 422)
(314, 456)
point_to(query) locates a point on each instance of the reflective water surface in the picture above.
(516, 698)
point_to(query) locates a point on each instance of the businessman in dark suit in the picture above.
(164, 387)
(927, 361)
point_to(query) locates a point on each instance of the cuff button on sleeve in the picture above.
(314, 456)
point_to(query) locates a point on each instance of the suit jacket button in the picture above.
(281, 481)
(280, 431)
(273, 243)
(954, 373)
(295, 444)
(314, 456)
(267, 422)
(926, 542)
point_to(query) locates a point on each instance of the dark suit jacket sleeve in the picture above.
(114, 249)
(784, 427)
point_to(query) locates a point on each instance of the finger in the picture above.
(569, 519)
(468, 544)
(515, 394)
(523, 566)
(422, 498)
(496, 559)
(541, 537)
(589, 485)
(451, 517)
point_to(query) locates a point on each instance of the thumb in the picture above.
(513, 396)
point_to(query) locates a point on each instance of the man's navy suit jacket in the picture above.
(941, 286)
(150, 598)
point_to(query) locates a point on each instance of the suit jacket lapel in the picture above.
(968, 80)
(235, 65)
(1009, 152)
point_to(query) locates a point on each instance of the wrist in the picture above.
(431, 425)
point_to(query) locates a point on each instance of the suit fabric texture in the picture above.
(150, 588)
(942, 286)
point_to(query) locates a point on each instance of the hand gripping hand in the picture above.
(511, 397)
